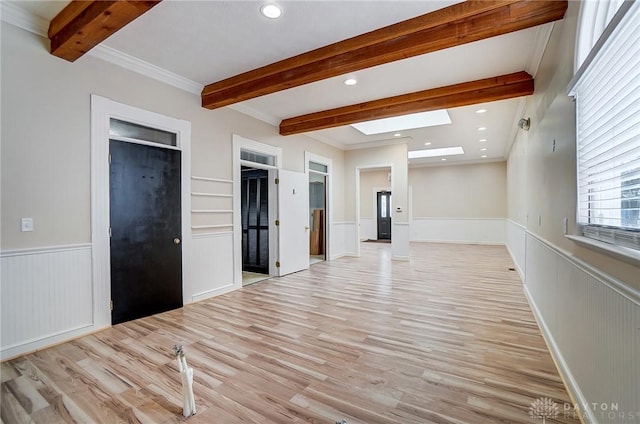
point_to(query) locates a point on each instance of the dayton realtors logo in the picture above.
(544, 408)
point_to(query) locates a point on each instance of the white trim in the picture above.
(456, 219)
(50, 340)
(216, 180)
(213, 235)
(102, 109)
(254, 113)
(378, 143)
(15, 15)
(212, 211)
(558, 358)
(204, 227)
(211, 194)
(458, 163)
(241, 143)
(116, 57)
(620, 287)
(540, 42)
(312, 157)
(214, 292)
(44, 250)
(345, 223)
(625, 254)
(358, 170)
(142, 142)
(517, 224)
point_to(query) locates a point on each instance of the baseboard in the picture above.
(35, 345)
(213, 293)
(516, 264)
(586, 414)
(480, 243)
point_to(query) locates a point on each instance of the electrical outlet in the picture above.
(26, 224)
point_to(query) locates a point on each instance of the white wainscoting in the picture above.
(400, 241)
(47, 297)
(459, 230)
(517, 246)
(343, 239)
(368, 229)
(211, 266)
(592, 325)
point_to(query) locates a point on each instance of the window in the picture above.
(607, 93)
(261, 158)
(123, 129)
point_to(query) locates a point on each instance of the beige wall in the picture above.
(370, 181)
(541, 179)
(396, 156)
(46, 137)
(461, 191)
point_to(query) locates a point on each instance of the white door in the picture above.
(293, 214)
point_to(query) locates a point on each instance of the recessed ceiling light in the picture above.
(271, 11)
(483, 156)
(481, 111)
(484, 149)
(397, 135)
(482, 128)
(428, 143)
(482, 140)
(404, 122)
(350, 81)
(443, 159)
(429, 153)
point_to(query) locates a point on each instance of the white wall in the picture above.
(459, 203)
(395, 158)
(45, 174)
(587, 303)
(371, 182)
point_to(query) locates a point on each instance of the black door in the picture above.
(384, 215)
(255, 220)
(145, 212)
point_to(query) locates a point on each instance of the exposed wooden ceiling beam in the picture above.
(468, 93)
(83, 24)
(452, 26)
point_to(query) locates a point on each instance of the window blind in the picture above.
(607, 96)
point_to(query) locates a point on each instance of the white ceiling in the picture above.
(205, 41)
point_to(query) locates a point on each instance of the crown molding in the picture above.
(248, 110)
(17, 16)
(147, 69)
(540, 42)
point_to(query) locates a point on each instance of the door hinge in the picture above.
(277, 264)
(277, 180)
(111, 305)
(109, 231)
(277, 222)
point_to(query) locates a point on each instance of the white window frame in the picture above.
(598, 25)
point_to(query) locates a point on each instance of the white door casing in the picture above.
(293, 214)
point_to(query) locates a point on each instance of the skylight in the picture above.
(405, 122)
(430, 153)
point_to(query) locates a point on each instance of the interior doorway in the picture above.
(145, 223)
(254, 206)
(317, 217)
(383, 213)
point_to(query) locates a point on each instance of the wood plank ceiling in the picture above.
(84, 24)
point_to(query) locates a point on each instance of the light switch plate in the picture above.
(26, 224)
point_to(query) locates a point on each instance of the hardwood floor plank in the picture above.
(447, 337)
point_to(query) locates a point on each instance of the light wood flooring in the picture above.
(445, 338)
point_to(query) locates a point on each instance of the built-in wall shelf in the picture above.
(211, 194)
(212, 211)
